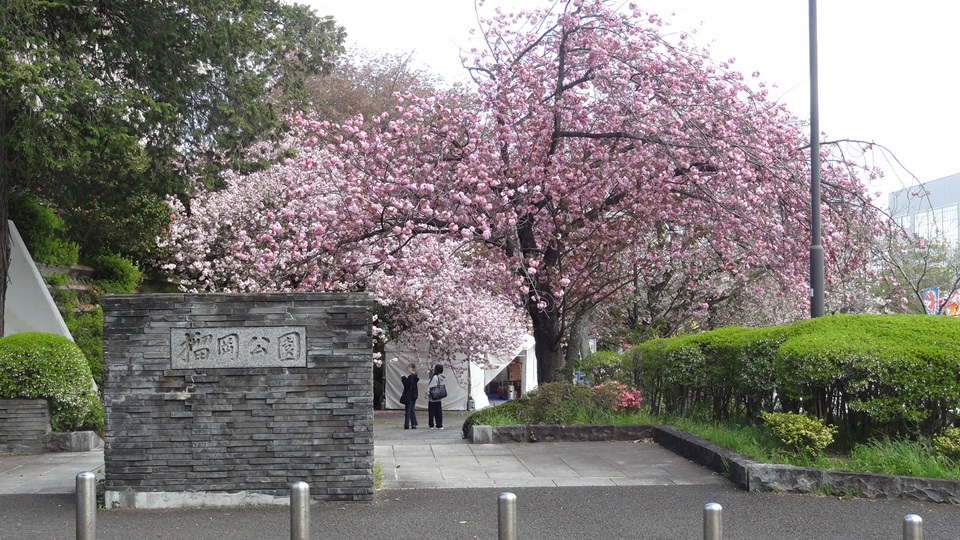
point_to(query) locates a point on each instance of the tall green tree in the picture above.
(103, 104)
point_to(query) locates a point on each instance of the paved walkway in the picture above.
(424, 458)
(46, 473)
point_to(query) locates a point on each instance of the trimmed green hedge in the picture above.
(865, 372)
(36, 365)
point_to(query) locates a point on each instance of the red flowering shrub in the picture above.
(624, 398)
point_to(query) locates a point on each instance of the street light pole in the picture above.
(816, 250)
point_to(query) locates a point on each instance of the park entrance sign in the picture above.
(222, 399)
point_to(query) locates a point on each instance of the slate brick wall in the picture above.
(24, 423)
(239, 429)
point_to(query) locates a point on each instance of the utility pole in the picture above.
(816, 250)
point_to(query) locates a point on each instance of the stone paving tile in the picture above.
(46, 473)
(542, 464)
(523, 483)
(654, 481)
(571, 482)
(413, 450)
(443, 450)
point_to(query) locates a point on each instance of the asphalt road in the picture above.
(597, 513)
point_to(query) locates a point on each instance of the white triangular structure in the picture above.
(468, 374)
(29, 306)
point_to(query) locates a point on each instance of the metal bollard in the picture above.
(299, 511)
(712, 522)
(507, 516)
(912, 527)
(86, 506)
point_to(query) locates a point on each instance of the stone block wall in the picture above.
(227, 399)
(24, 424)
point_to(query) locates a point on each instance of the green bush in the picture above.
(43, 231)
(947, 443)
(115, 275)
(505, 414)
(800, 432)
(603, 366)
(552, 403)
(87, 331)
(869, 373)
(35, 365)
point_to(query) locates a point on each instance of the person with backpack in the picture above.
(436, 391)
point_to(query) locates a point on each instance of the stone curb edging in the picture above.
(743, 471)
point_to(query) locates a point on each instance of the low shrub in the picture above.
(560, 403)
(623, 398)
(115, 275)
(43, 231)
(947, 443)
(35, 365)
(504, 414)
(800, 432)
(87, 331)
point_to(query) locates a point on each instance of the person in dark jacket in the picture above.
(435, 407)
(409, 397)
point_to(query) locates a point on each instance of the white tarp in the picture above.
(457, 380)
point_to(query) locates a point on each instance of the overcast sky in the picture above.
(889, 71)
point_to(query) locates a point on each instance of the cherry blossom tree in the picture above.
(594, 152)
(278, 230)
(595, 147)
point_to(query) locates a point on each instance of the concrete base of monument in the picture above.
(159, 500)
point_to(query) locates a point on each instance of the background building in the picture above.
(930, 210)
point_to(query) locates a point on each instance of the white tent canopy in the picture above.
(457, 380)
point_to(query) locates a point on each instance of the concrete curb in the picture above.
(744, 472)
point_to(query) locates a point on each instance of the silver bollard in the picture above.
(507, 516)
(912, 527)
(712, 522)
(299, 511)
(86, 506)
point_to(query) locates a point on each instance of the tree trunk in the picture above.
(578, 347)
(5, 240)
(547, 333)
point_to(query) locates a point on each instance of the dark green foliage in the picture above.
(115, 275)
(865, 373)
(108, 107)
(43, 231)
(35, 365)
(87, 331)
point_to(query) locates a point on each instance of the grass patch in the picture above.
(880, 456)
(377, 476)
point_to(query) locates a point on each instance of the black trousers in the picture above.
(410, 414)
(435, 413)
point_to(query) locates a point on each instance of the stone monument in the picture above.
(223, 399)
